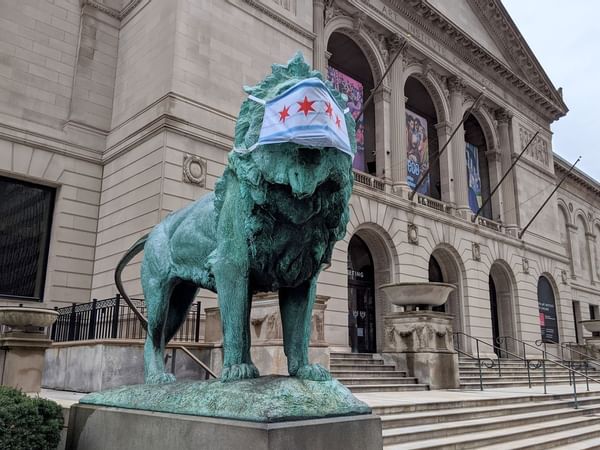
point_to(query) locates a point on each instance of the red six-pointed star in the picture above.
(306, 106)
(337, 121)
(329, 109)
(284, 114)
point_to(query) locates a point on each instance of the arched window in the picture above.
(547, 310)
(350, 73)
(478, 175)
(421, 139)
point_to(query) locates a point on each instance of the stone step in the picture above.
(356, 361)
(377, 381)
(504, 384)
(467, 412)
(388, 387)
(585, 438)
(359, 367)
(439, 430)
(479, 438)
(518, 378)
(337, 355)
(440, 407)
(371, 373)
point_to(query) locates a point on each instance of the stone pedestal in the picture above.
(267, 335)
(420, 342)
(100, 428)
(22, 360)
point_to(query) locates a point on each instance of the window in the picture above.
(25, 221)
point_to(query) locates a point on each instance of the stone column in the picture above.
(495, 174)
(575, 257)
(591, 244)
(397, 119)
(446, 169)
(456, 87)
(319, 46)
(508, 211)
(382, 137)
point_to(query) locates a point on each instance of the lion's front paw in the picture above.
(239, 372)
(314, 372)
(160, 378)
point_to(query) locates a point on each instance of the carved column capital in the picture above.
(503, 115)
(456, 85)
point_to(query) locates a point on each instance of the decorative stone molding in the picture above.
(111, 11)
(563, 276)
(194, 170)
(570, 207)
(476, 250)
(256, 4)
(502, 115)
(413, 234)
(538, 150)
(525, 263)
(288, 5)
(493, 155)
(332, 11)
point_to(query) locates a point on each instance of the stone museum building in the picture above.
(114, 113)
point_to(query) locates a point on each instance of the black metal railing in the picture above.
(112, 318)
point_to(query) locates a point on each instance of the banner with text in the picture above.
(417, 151)
(473, 177)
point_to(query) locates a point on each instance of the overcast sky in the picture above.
(565, 37)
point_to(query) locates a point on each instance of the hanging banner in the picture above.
(417, 152)
(473, 177)
(547, 312)
(354, 90)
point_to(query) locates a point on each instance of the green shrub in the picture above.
(28, 423)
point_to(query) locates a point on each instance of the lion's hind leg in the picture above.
(157, 295)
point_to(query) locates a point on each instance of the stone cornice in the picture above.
(280, 19)
(117, 14)
(435, 24)
(561, 167)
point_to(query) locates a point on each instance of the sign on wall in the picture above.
(473, 177)
(354, 90)
(417, 151)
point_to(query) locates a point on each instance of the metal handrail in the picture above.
(586, 357)
(569, 367)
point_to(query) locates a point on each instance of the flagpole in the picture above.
(439, 154)
(522, 232)
(374, 90)
(487, 200)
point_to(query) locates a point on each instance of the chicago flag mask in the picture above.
(305, 114)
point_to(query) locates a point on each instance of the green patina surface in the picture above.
(264, 399)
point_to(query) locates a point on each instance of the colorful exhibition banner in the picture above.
(354, 90)
(473, 177)
(417, 151)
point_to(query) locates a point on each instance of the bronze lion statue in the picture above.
(270, 225)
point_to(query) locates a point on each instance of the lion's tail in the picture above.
(134, 250)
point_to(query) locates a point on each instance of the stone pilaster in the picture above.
(319, 46)
(591, 244)
(572, 237)
(495, 174)
(397, 118)
(457, 147)
(382, 137)
(446, 168)
(508, 211)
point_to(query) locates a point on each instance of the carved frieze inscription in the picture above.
(538, 150)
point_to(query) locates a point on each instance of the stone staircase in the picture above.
(527, 422)
(367, 372)
(513, 374)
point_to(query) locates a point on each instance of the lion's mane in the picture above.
(257, 191)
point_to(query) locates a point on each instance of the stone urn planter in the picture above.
(25, 319)
(417, 293)
(22, 348)
(593, 326)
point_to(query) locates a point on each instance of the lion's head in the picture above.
(270, 171)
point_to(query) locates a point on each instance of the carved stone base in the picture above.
(22, 360)
(267, 335)
(420, 342)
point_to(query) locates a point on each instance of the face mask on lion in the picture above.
(270, 225)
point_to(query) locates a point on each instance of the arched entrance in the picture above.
(362, 334)
(422, 138)
(444, 268)
(503, 318)
(350, 73)
(478, 174)
(547, 311)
